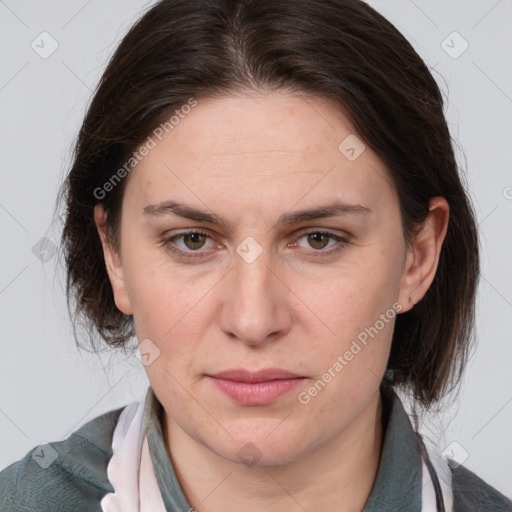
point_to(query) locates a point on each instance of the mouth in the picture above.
(255, 388)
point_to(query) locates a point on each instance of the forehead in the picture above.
(258, 150)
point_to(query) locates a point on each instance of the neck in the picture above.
(336, 476)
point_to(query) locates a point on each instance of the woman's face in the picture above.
(223, 268)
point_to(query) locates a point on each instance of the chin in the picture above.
(260, 449)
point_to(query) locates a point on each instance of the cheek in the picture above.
(352, 298)
(159, 295)
(350, 362)
(170, 308)
(357, 306)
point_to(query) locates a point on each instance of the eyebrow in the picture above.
(336, 208)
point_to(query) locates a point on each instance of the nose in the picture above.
(255, 308)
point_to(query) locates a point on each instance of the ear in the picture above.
(113, 263)
(423, 256)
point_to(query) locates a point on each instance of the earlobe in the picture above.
(113, 264)
(423, 256)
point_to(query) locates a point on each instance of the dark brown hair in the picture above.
(340, 50)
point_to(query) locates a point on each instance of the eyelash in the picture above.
(167, 242)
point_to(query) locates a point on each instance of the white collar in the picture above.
(132, 475)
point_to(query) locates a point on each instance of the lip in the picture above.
(256, 388)
(264, 375)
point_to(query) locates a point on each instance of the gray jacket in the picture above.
(71, 475)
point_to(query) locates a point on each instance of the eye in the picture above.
(193, 243)
(187, 244)
(193, 240)
(319, 240)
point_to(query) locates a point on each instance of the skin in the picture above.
(251, 158)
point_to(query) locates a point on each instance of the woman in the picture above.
(265, 195)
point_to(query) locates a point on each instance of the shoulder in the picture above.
(64, 475)
(472, 494)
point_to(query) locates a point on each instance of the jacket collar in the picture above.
(397, 485)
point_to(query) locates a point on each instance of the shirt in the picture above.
(71, 475)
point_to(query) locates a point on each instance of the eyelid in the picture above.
(167, 240)
(342, 241)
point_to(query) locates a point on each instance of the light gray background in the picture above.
(48, 389)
